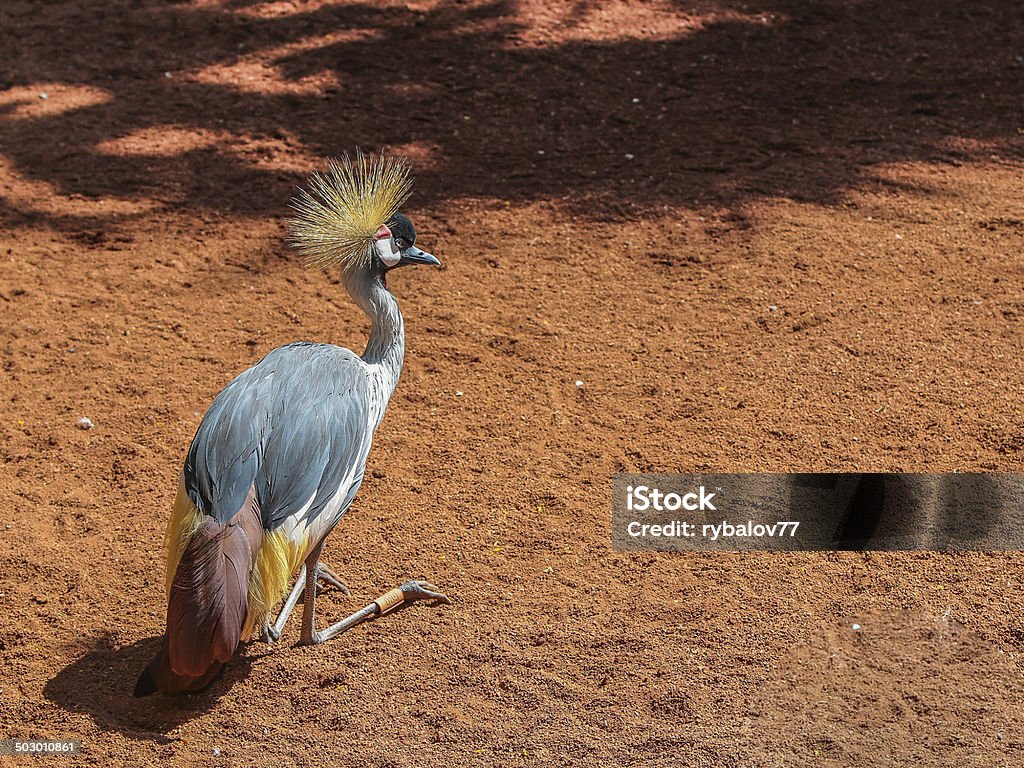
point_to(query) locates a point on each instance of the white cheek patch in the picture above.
(387, 251)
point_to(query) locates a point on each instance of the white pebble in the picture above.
(856, 627)
(459, 393)
(579, 383)
(84, 423)
(44, 96)
(216, 752)
(772, 307)
(629, 156)
(167, 75)
(636, 101)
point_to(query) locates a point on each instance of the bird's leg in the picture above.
(272, 633)
(309, 596)
(410, 592)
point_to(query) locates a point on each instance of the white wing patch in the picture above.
(298, 529)
(294, 526)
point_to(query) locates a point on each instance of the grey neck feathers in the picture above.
(385, 349)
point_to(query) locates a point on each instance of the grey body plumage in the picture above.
(294, 427)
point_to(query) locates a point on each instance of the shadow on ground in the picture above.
(99, 683)
(216, 107)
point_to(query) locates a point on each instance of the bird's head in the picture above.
(348, 217)
(394, 245)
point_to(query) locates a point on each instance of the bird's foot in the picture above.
(414, 591)
(407, 594)
(325, 574)
(269, 635)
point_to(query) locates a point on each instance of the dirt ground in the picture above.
(778, 235)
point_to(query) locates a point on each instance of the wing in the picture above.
(295, 426)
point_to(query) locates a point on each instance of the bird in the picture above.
(279, 456)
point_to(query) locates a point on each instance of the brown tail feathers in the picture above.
(208, 605)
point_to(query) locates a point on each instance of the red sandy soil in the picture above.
(782, 235)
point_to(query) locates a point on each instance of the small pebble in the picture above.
(216, 752)
(636, 101)
(44, 96)
(629, 156)
(84, 423)
(579, 384)
(459, 393)
(772, 307)
(856, 627)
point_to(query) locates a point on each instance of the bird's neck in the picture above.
(385, 350)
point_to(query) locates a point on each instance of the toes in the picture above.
(424, 590)
(269, 635)
(335, 582)
(326, 574)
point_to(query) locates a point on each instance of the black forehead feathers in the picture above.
(400, 226)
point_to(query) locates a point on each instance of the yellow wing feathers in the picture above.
(277, 560)
(279, 557)
(185, 521)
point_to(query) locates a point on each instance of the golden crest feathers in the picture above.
(342, 208)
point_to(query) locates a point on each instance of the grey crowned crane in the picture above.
(281, 452)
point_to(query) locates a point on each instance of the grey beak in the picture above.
(413, 255)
